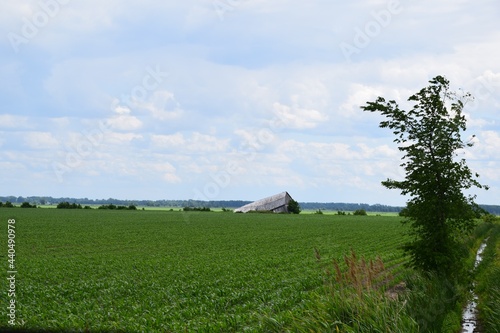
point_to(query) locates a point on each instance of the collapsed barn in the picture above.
(277, 203)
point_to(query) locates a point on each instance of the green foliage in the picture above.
(7, 204)
(360, 212)
(293, 207)
(341, 213)
(353, 299)
(341, 309)
(319, 212)
(196, 209)
(488, 282)
(67, 205)
(434, 302)
(429, 135)
(113, 207)
(27, 205)
(110, 206)
(489, 218)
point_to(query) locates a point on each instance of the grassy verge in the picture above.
(488, 282)
(349, 302)
(361, 295)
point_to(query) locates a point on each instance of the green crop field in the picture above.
(133, 271)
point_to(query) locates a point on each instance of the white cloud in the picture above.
(206, 143)
(172, 178)
(120, 109)
(358, 95)
(13, 121)
(297, 117)
(265, 85)
(487, 146)
(166, 171)
(168, 141)
(194, 143)
(40, 140)
(162, 106)
(125, 123)
(122, 138)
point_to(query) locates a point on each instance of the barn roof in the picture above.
(277, 203)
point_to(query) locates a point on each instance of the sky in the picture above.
(233, 99)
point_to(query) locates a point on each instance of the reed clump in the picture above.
(357, 273)
(354, 300)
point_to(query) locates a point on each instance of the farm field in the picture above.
(133, 271)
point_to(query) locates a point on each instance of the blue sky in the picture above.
(232, 99)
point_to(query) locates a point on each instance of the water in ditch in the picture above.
(469, 316)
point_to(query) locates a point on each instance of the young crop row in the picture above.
(176, 271)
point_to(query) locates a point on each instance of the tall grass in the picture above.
(488, 283)
(361, 295)
(360, 274)
(435, 303)
(354, 300)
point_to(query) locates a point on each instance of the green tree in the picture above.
(293, 207)
(27, 205)
(429, 135)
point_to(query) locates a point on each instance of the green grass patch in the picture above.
(488, 282)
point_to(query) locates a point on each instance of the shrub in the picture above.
(111, 206)
(293, 207)
(27, 205)
(67, 205)
(360, 212)
(489, 218)
(196, 209)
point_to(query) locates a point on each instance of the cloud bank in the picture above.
(216, 99)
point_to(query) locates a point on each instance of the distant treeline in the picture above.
(350, 207)
(143, 203)
(332, 206)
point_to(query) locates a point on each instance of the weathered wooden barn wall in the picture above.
(277, 203)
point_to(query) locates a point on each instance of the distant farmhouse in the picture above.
(277, 203)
